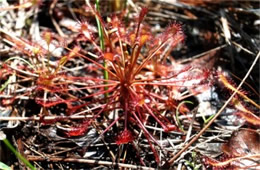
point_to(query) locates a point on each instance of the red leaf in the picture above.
(250, 118)
(142, 14)
(78, 131)
(125, 137)
(109, 56)
(240, 152)
(242, 142)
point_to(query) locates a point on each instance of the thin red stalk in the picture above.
(174, 41)
(107, 104)
(155, 117)
(134, 57)
(142, 14)
(99, 93)
(96, 46)
(144, 129)
(117, 69)
(139, 114)
(97, 101)
(125, 114)
(154, 95)
(94, 62)
(97, 107)
(88, 96)
(53, 103)
(121, 48)
(139, 68)
(113, 108)
(28, 93)
(154, 151)
(69, 82)
(89, 78)
(109, 126)
(103, 108)
(162, 84)
(50, 103)
(89, 87)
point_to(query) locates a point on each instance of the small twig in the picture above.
(242, 48)
(21, 97)
(56, 25)
(87, 161)
(201, 144)
(34, 151)
(171, 161)
(190, 127)
(225, 27)
(24, 72)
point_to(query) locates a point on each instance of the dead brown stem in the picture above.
(86, 161)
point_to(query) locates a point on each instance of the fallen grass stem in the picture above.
(87, 161)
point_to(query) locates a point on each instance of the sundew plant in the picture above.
(143, 87)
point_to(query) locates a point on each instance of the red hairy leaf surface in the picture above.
(124, 137)
(242, 142)
(79, 130)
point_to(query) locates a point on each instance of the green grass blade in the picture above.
(102, 45)
(177, 114)
(17, 154)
